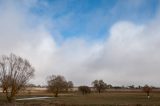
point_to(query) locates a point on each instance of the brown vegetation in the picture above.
(84, 89)
(58, 84)
(147, 90)
(99, 85)
(15, 72)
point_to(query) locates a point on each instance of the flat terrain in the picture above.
(111, 98)
(108, 98)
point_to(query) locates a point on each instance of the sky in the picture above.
(117, 41)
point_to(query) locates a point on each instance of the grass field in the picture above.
(109, 99)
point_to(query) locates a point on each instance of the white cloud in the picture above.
(17, 36)
(130, 55)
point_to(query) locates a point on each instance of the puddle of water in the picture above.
(34, 98)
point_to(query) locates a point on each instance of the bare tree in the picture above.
(99, 85)
(147, 89)
(131, 86)
(84, 89)
(69, 85)
(15, 72)
(57, 84)
(109, 86)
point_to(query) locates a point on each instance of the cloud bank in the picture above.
(130, 55)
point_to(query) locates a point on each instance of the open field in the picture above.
(108, 99)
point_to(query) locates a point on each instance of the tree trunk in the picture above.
(10, 96)
(99, 91)
(10, 99)
(56, 94)
(148, 95)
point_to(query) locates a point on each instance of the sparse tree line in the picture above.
(15, 72)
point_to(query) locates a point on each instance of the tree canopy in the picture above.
(58, 84)
(84, 89)
(15, 72)
(99, 85)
